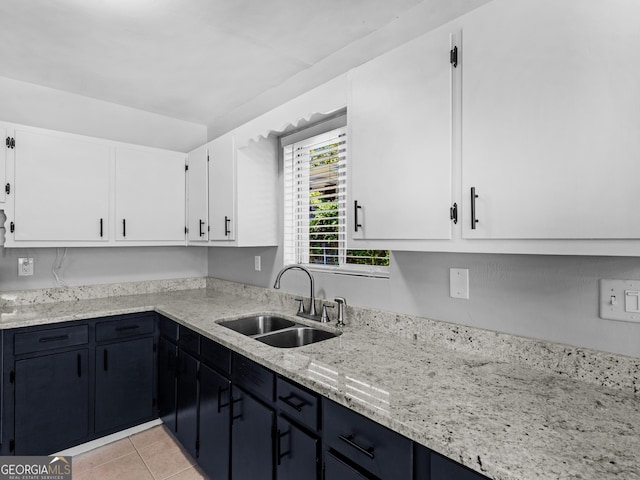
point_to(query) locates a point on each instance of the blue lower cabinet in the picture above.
(167, 387)
(336, 469)
(215, 423)
(444, 469)
(297, 452)
(252, 438)
(187, 403)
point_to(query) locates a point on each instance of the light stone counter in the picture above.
(498, 416)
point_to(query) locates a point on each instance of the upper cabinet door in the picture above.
(198, 198)
(400, 143)
(551, 115)
(222, 188)
(150, 195)
(61, 188)
(3, 163)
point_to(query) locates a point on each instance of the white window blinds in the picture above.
(315, 203)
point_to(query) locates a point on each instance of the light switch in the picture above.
(632, 301)
(459, 283)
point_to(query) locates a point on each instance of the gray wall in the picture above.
(546, 297)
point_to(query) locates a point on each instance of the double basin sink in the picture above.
(277, 331)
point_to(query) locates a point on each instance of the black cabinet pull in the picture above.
(124, 227)
(279, 454)
(105, 360)
(201, 225)
(57, 338)
(101, 228)
(79, 365)
(356, 207)
(220, 404)
(127, 327)
(473, 208)
(298, 406)
(226, 226)
(233, 402)
(369, 452)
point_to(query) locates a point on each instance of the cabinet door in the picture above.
(336, 469)
(61, 188)
(124, 384)
(251, 438)
(3, 166)
(187, 409)
(150, 195)
(297, 453)
(167, 360)
(198, 198)
(222, 188)
(400, 143)
(215, 423)
(551, 120)
(51, 402)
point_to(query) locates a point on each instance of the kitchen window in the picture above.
(315, 203)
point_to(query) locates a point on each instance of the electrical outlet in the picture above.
(25, 266)
(257, 260)
(620, 300)
(459, 283)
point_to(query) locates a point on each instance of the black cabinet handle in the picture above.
(79, 365)
(226, 226)
(53, 339)
(356, 207)
(124, 227)
(473, 208)
(220, 404)
(233, 402)
(279, 454)
(105, 360)
(369, 452)
(101, 228)
(297, 406)
(127, 327)
(201, 225)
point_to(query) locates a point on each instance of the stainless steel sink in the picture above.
(257, 325)
(296, 337)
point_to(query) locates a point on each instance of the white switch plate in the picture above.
(25, 267)
(459, 283)
(257, 262)
(619, 300)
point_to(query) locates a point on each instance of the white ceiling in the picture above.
(196, 60)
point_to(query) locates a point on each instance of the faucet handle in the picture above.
(300, 304)
(324, 318)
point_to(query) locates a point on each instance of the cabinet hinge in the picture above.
(11, 142)
(197, 445)
(453, 57)
(154, 402)
(12, 445)
(12, 376)
(186, 230)
(155, 348)
(7, 188)
(453, 213)
(12, 227)
(207, 158)
(186, 168)
(198, 375)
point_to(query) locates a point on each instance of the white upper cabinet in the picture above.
(243, 192)
(61, 188)
(3, 162)
(551, 120)
(198, 196)
(222, 189)
(150, 195)
(399, 137)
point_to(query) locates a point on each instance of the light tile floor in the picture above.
(150, 455)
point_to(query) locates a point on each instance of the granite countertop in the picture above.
(500, 418)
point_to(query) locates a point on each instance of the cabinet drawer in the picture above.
(253, 378)
(168, 328)
(189, 341)
(50, 338)
(215, 355)
(126, 326)
(379, 450)
(298, 403)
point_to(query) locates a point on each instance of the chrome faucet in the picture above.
(312, 314)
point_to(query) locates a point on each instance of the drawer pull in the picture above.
(233, 402)
(369, 452)
(298, 406)
(220, 404)
(127, 327)
(53, 339)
